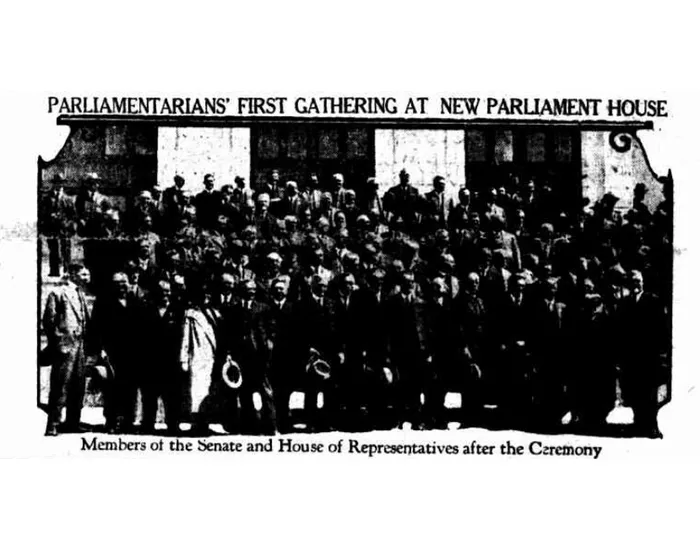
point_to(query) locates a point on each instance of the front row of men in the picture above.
(381, 353)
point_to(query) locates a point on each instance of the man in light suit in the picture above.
(437, 206)
(65, 323)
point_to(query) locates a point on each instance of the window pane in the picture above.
(296, 146)
(328, 144)
(357, 143)
(503, 148)
(268, 144)
(88, 142)
(143, 139)
(563, 147)
(476, 146)
(115, 141)
(535, 145)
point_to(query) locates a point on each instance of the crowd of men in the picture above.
(382, 304)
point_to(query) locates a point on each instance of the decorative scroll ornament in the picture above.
(621, 141)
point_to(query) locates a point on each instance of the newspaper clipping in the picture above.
(360, 275)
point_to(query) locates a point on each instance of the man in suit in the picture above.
(645, 343)
(549, 340)
(248, 342)
(241, 193)
(264, 220)
(507, 381)
(491, 210)
(316, 332)
(347, 318)
(160, 374)
(273, 186)
(89, 206)
(58, 223)
(500, 239)
(338, 191)
(117, 331)
(370, 202)
(285, 358)
(207, 203)
(407, 347)
(458, 219)
(472, 318)
(291, 204)
(311, 194)
(370, 330)
(444, 352)
(436, 207)
(401, 203)
(65, 321)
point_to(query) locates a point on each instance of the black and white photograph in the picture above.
(342, 276)
(204, 276)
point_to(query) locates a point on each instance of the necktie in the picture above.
(83, 308)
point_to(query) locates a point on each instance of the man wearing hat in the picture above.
(57, 222)
(89, 205)
(639, 213)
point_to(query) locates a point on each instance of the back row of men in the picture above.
(91, 214)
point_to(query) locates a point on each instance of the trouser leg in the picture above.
(59, 380)
(268, 414)
(281, 395)
(54, 257)
(76, 395)
(150, 392)
(122, 400)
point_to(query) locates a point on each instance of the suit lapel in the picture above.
(72, 298)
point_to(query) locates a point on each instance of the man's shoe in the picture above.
(51, 430)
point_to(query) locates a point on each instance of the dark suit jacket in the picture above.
(207, 205)
(117, 331)
(645, 339)
(473, 321)
(173, 202)
(245, 333)
(280, 327)
(442, 333)
(403, 202)
(406, 330)
(371, 327)
(161, 338)
(289, 206)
